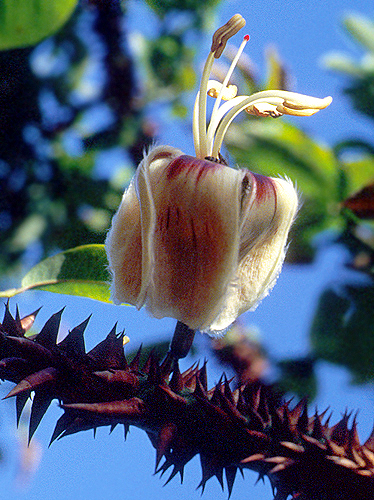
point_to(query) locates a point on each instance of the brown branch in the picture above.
(303, 456)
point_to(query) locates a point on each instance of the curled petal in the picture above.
(268, 209)
(126, 253)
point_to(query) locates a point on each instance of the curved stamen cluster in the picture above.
(274, 103)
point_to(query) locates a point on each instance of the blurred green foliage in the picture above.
(74, 109)
(26, 23)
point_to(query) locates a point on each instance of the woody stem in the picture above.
(182, 340)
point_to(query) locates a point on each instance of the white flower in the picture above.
(194, 239)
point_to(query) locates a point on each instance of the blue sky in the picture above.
(81, 467)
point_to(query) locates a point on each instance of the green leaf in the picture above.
(80, 271)
(343, 330)
(362, 29)
(27, 22)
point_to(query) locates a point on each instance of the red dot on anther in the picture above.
(246, 37)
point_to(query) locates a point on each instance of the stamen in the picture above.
(215, 88)
(272, 103)
(284, 102)
(221, 36)
(213, 120)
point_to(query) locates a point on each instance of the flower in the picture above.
(193, 238)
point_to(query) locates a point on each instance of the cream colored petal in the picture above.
(152, 166)
(195, 240)
(268, 212)
(124, 249)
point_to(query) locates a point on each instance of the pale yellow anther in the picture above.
(214, 88)
(224, 33)
(263, 109)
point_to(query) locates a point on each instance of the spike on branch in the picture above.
(304, 457)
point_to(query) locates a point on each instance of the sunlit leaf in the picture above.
(27, 22)
(80, 271)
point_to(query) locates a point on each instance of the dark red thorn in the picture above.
(175, 397)
(109, 352)
(34, 381)
(295, 414)
(62, 424)
(146, 367)
(174, 472)
(118, 377)
(47, 337)
(339, 432)
(20, 404)
(164, 467)
(240, 405)
(73, 343)
(10, 325)
(256, 399)
(230, 473)
(199, 391)
(25, 348)
(203, 376)
(130, 408)
(134, 365)
(166, 366)
(28, 321)
(317, 432)
(354, 440)
(154, 374)
(227, 390)
(256, 457)
(164, 441)
(126, 430)
(229, 408)
(190, 372)
(369, 443)
(112, 427)
(94, 432)
(209, 469)
(215, 399)
(303, 420)
(40, 404)
(219, 476)
(190, 383)
(176, 381)
(79, 424)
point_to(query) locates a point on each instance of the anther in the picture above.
(222, 35)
